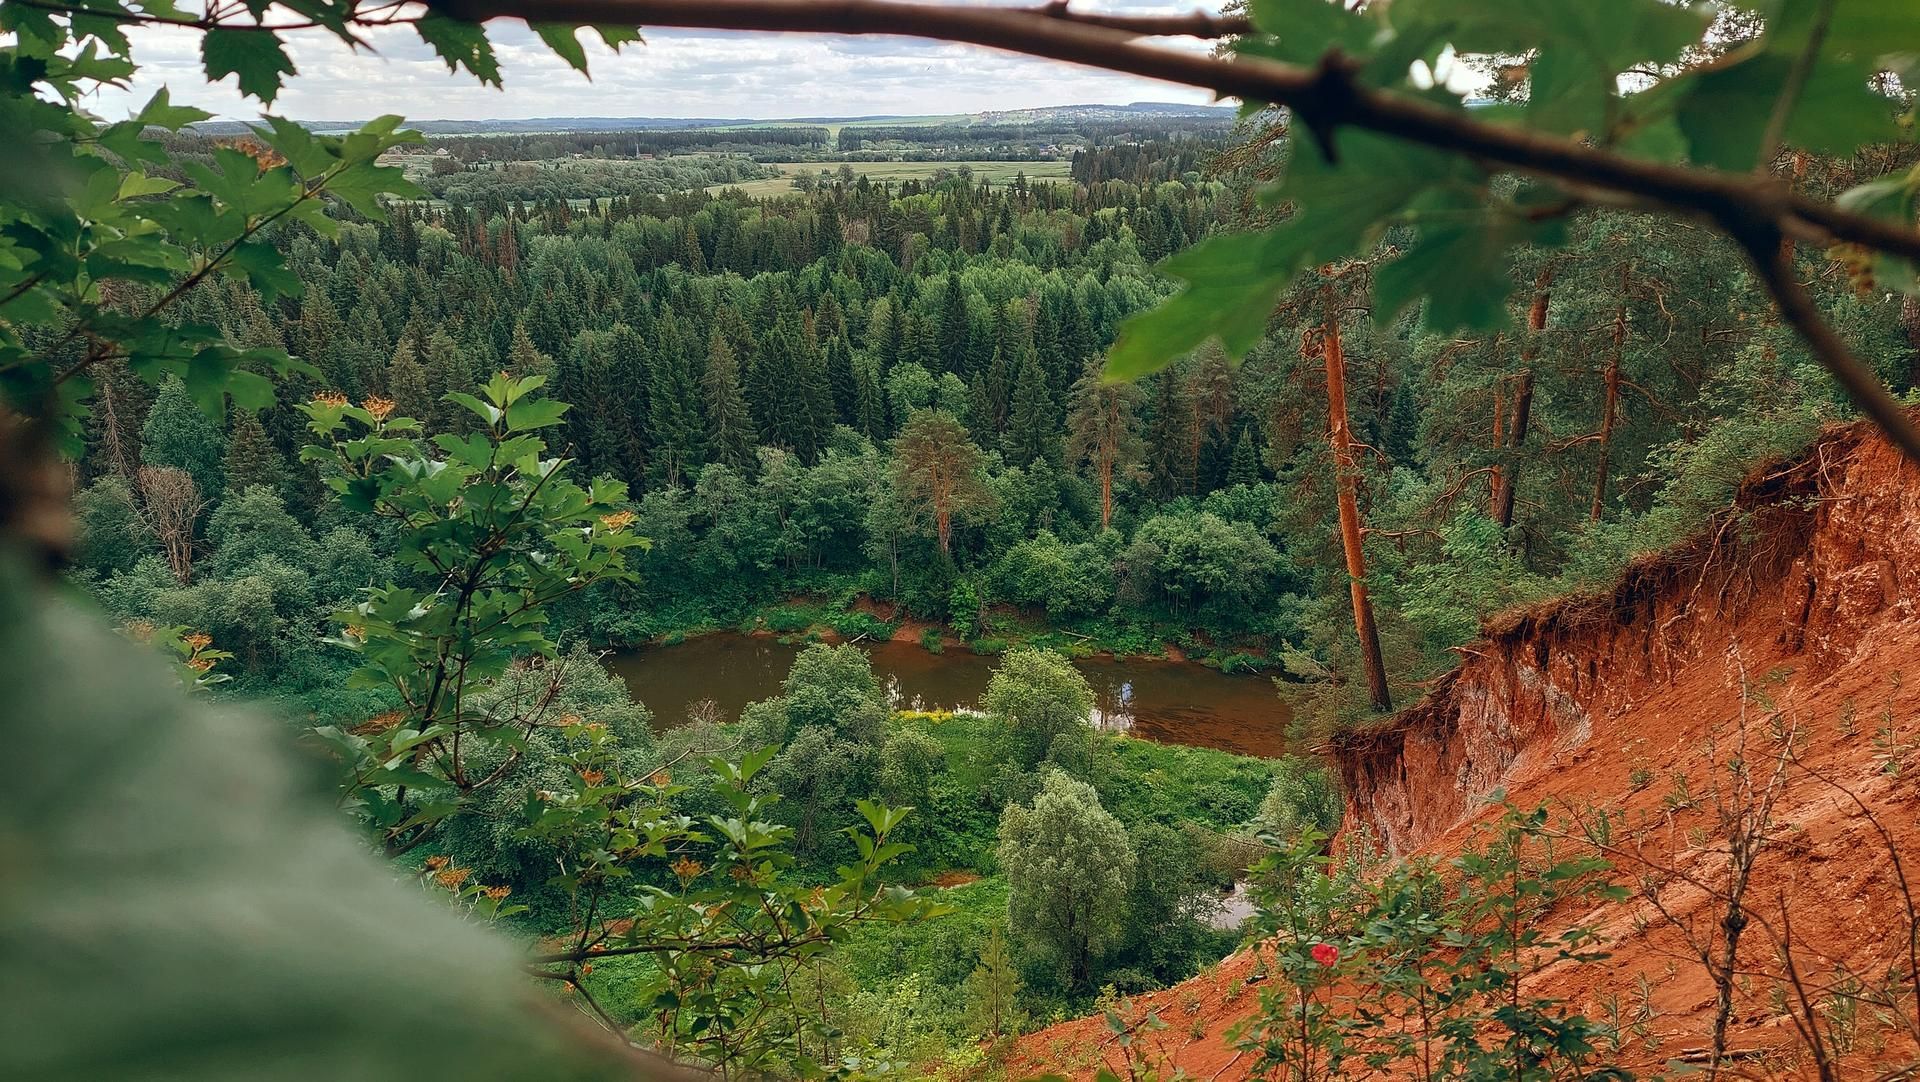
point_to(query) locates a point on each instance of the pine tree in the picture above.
(251, 457)
(1102, 431)
(730, 433)
(936, 473)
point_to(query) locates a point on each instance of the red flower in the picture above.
(1325, 953)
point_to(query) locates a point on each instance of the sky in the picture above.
(676, 74)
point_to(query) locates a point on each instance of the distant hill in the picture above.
(1049, 114)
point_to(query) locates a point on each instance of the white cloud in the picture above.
(676, 74)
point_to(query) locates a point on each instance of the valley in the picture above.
(866, 572)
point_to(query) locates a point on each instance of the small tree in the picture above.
(993, 990)
(495, 531)
(1038, 695)
(1069, 865)
(172, 506)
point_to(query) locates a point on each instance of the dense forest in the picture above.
(395, 465)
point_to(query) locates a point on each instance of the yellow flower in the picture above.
(451, 878)
(687, 869)
(330, 398)
(497, 893)
(199, 640)
(379, 407)
(617, 521)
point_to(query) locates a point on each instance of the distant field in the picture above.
(995, 172)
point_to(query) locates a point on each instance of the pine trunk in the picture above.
(1523, 400)
(1347, 469)
(1610, 404)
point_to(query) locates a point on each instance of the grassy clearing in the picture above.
(896, 172)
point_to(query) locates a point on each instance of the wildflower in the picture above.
(140, 630)
(330, 398)
(660, 779)
(200, 664)
(381, 408)
(451, 878)
(199, 640)
(593, 777)
(1325, 953)
(497, 893)
(568, 721)
(586, 969)
(686, 869)
(355, 631)
(617, 521)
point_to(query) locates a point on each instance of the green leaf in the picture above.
(616, 36)
(1303, 30)
(564, 40)
(257, 57)
(1725, 111)
(160, 112)
(1232, 281)
(462, 45)
(1340, 205)
(1460, 266)
(361, 185)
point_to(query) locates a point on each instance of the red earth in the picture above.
(1630, 700)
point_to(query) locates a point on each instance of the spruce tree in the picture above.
(1245, 467)
(447, 369)
(993, 989)
(673, 417)
(730, 432)
(524, 359)
(251, 457)
(177, 434)
(953, 330)
(1033, 432)
(406, 382)
(869, 401)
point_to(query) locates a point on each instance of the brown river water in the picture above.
(1172, 702)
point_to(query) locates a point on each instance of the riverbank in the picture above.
(715, 676)
(857, 617)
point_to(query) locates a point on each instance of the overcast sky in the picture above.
(676, 74)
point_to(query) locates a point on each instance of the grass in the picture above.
(897, 172)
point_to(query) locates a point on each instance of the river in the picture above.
(1172, 702)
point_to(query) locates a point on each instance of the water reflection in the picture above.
(1170, 702)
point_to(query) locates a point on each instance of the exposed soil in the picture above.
(1631, 701)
